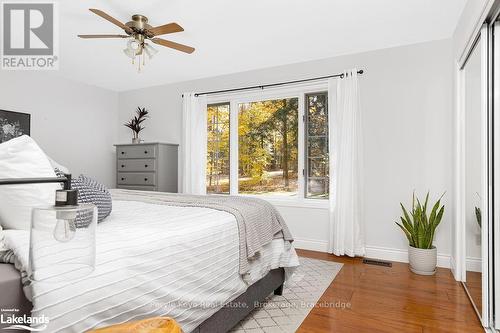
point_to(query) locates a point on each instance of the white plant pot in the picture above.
(422, 261)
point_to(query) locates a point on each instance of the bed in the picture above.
(221, 321)
(156, 259)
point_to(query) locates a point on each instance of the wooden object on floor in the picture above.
(151, 325)
(390, 299)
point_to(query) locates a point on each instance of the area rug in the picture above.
(286, 313)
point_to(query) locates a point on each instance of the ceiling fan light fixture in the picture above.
(137, 32)
(129, 53)
(133, 45)
(133, 48)
(150, 51)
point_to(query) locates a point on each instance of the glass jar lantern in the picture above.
(62, 240)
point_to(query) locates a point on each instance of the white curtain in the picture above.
(194, 143)
(346, 185)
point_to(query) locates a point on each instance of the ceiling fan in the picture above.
(138, 32)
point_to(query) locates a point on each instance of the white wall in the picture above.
(406, 95)
(74, 123)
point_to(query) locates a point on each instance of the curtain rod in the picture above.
(272, 84)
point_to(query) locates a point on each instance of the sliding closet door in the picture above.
(476, 142)
(486, 176)
(495, 248)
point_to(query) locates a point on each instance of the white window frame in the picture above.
(291, 91)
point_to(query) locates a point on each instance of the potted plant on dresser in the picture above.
(419, 228)
(135, 124)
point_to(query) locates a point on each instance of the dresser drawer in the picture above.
(137, 151)
(136, 178)
(137, 187)
(138, 164)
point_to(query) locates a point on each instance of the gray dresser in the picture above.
(147, 166)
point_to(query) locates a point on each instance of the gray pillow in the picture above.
(91, 191)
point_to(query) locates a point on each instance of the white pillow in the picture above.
(22, 158)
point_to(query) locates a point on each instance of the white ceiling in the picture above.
(238, 35)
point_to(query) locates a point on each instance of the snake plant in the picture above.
(477, 210)
(418, 226)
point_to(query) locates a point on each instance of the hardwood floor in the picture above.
(474, 285)
(390, 299)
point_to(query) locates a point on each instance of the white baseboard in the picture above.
(374, 252)
(391, 254)
(474, 264)
(310, 244)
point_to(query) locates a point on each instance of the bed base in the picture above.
(227, 317)
(11, 295)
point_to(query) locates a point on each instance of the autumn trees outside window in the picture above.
(316, 128)
(218, 148)
(268, 147)
(277, 146)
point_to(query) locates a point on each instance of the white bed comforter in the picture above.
(153, 260)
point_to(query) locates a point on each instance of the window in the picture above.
(316, 129)
(269, 144)
(267, 147)
(218, 148)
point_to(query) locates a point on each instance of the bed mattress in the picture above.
(153, 260)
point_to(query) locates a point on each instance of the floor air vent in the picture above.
(377, 262)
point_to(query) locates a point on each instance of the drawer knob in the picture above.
(123, 153)
(123, 178)
(123, 166)
(145, 165)
(145, 179)
(145, 152)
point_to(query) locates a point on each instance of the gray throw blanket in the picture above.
(258, 221)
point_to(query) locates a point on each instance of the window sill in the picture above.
(292, 202)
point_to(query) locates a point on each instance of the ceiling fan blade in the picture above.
(103, 36)
(165, 29)
(111, 19)
(173, 45)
